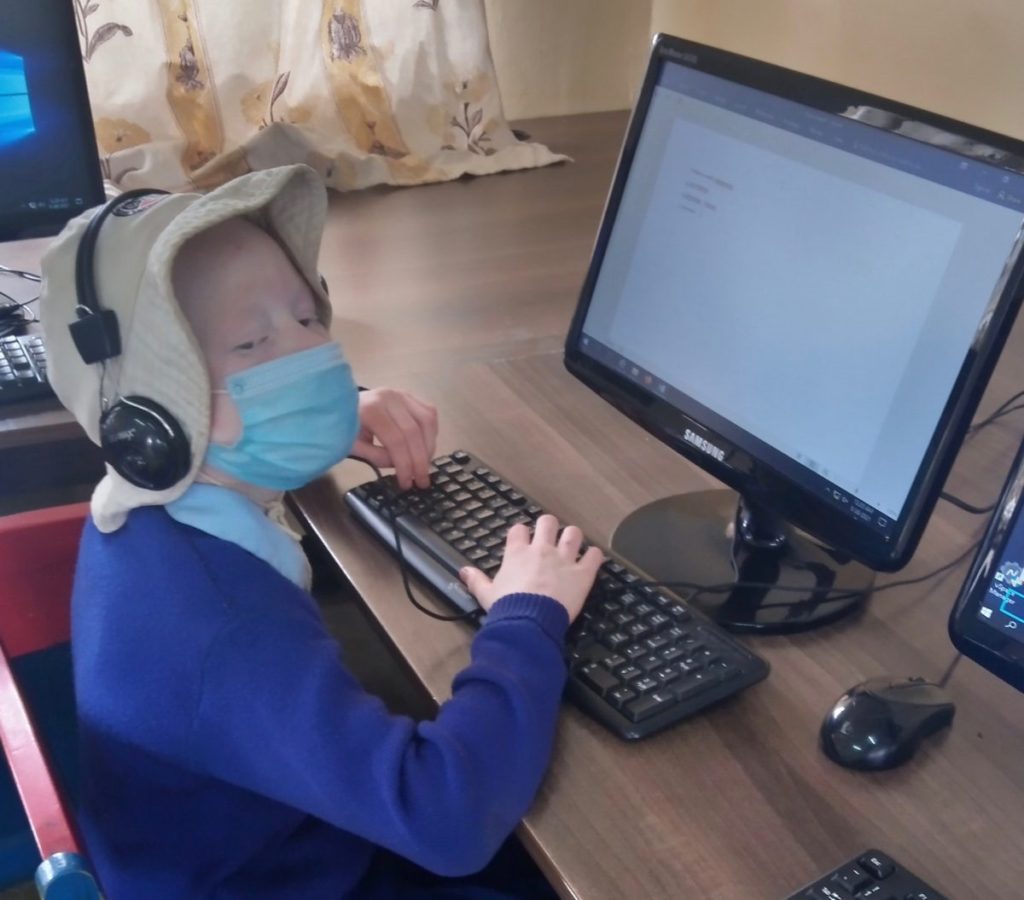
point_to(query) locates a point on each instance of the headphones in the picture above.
(140, 439)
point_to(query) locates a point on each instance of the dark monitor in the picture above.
(803, 289)
(49, 169)
(987, 623)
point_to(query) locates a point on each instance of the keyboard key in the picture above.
(670, 653)
(613, 661)
(637, 630)
(650, 662)
(881, 867)
(648, 705)
(634, 651)
(667, 674)
(628, 672)
(724, 670)
(691, 686)
(621, 696)
(643, 684)
(825, 892)
(851, 878)
(598, 677)
(615, 640)
(657, 642)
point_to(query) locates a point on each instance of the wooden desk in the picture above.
(462, 293)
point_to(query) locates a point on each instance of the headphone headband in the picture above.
(96, 333)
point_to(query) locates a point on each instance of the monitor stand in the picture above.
(690, 538)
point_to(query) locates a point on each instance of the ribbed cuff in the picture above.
(548, 613)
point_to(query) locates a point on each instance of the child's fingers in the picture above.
(592, 559)
(411, 450)
(518, 536)
(546, 529)
(569, 542)
(474, 580)
(426, 416)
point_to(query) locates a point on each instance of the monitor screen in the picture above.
(987, 622)
(49, 170)
(803, 288)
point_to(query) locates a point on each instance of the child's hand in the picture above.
(540, 566)
(399, 431)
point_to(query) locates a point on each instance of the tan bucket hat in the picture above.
(160, 357)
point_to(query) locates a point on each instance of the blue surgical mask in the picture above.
(300, 416)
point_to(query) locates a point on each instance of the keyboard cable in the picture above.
(13, 313)
(403, 566)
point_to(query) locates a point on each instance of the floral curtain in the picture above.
(187, 94)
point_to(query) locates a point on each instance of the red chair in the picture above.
(37, 558)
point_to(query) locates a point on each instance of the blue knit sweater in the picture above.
(228, 752)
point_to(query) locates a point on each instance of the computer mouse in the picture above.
(880, 723)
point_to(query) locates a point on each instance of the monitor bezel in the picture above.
(25, 224)
(1002, 656)
(756, 479)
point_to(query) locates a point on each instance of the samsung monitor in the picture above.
(803, 289)
(49, 168)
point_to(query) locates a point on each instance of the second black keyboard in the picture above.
(23, 369)
(640, 659)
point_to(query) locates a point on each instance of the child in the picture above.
(227, 751)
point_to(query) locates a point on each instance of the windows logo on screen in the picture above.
(16, 120)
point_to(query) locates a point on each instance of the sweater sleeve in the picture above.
(280, 715)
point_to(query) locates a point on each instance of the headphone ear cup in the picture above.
(144, 443)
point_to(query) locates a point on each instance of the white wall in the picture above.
(963, 58)
(555, 57)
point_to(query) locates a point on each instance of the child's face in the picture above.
(246, 304)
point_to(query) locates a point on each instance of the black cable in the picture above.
(965, 506)
(1004, 409)
(997, 413)
(950, 669)
(403, 566)
(13, 314)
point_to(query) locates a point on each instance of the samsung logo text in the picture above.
(702, 444)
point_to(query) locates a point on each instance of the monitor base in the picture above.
(690, 538)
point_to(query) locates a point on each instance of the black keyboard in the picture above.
(639, 658)
(869, 876)
(23, 369)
